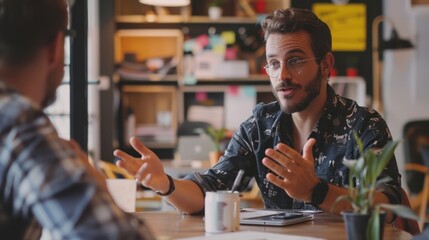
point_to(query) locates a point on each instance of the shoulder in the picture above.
(263, 114)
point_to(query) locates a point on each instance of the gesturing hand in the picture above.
(291, 171)
(148, 169)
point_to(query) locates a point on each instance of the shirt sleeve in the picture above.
(376, 135)
(238, 155)
(49, 182)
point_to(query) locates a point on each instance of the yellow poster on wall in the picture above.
(347, 24)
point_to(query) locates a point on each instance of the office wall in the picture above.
(405, 76)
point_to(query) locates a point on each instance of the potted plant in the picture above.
(215, 9)
(218, 136)
(366, 221)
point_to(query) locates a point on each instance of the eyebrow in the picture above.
(293, 51)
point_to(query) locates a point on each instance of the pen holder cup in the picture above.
(222, 212)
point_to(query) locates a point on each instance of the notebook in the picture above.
(193, 148)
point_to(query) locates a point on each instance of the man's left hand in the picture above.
(291, 171)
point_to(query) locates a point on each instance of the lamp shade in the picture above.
(395, 42)
(166, 3)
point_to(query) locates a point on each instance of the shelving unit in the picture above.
(140, 37)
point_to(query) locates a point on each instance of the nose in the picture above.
(284, 74)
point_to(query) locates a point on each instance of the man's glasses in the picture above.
(294, 66)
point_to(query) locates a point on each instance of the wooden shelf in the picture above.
(180, 19)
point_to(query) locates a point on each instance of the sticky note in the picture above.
(228, 37)
(233, 90)
(201, 96)
(248, 91)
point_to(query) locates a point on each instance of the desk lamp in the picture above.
(394, 43)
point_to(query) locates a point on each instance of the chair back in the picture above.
(416, 135)
(111, 171)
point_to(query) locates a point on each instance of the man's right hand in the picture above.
(148, 169)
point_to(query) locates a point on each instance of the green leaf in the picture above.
(359, 142)
(402, 211)
(373, 231)
(386, 156)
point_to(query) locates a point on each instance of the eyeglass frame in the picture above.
(288, 65)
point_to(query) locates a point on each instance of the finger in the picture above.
(275, 156)
(123, 161)
(277, 180)
(281, 159)
(121, 154)
(288, 152)
(146, 180)
(139, 146)
(307, 150)
(127, 162)
(140, 174)
(275, 167)
(120, 163)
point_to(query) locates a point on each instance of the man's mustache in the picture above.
(282, 85)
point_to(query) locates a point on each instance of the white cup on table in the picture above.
(222, 212)
(123, 192)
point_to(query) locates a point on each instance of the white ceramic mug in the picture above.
(222, 212)
(123, 192)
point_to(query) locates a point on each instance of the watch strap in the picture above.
(319, 192)
(170, 189)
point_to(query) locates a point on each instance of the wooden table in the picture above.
(172, 225)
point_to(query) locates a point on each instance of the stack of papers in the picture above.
(250, 235)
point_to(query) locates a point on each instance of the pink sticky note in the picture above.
(233, 90)
(202, 40)
(201, 96)
(230, 54)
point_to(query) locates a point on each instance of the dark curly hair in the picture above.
(295, 19)
(26, 25)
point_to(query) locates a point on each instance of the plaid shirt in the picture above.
(44, 185)
(269, 126)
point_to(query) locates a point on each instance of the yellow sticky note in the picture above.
(219, 49)
(347, 24)
(228, 37)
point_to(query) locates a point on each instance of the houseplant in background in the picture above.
(215, 9)
(366, 221)
(218, 136)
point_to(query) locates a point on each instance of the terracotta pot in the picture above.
(214, 157)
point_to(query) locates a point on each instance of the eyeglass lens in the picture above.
(294, 66)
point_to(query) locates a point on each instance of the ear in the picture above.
(327, 64)
(56, 50)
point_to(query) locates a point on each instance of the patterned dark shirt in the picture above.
(269, 125)
(44, 185)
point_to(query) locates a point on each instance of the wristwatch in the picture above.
(170, 189)
(319, 192)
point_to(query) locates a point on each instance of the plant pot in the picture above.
(215, 13)
(214, 157)
(357, 224)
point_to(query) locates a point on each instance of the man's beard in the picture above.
(312, 90)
